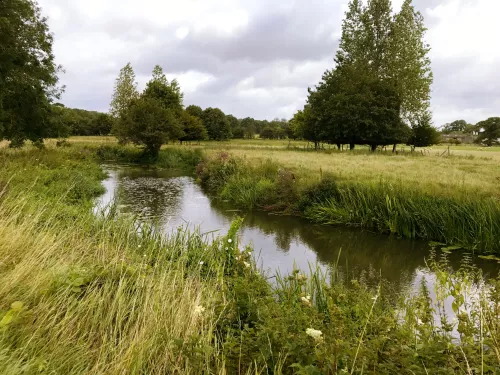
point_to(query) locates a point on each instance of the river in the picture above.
(172, 199)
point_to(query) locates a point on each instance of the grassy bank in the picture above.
(461, 218)
(83, 294)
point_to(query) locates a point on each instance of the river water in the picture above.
(172, 199)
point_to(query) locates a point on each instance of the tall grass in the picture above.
(465, 219)
(85, 294)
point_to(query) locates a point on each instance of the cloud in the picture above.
(255, 57)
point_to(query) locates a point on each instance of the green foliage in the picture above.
(217, 125)
(147, 123)
(195, 111)
(458, 126)
(124, 93)
(168, 94)
(464, 220)
(192, 127)
(490, 134)
(423, 134)
(28, 74)
(72, 121)
(381, 82)
(184, 304)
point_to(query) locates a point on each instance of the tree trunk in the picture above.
(351, 146)
(338, 146)
(316, 145)
(394, 148)
(374, 148)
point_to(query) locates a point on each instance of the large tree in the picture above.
(28, 73)
(458, 126)
(195, 111)
(193, 128)
(489, 131)
(154, 117)
(381, 81)
(423, 134)
(217, 125)
(167, 93)
(149, 124)
(124, 93)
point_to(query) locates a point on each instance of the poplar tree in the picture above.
(124, 92)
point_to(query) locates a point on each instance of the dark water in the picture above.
(279, 242)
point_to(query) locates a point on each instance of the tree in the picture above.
(28, 74)
(148, 123)
(234, 124)
(125, 92)
(381, 82)
(267, 133)
(249, 127)
(409, 64)
(168, 94)
(489, 131)
(217, 125)
(193, 128)
(102, 124)
(195, 111)
(423, 133)
(457, 126)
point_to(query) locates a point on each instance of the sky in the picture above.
(256, 58)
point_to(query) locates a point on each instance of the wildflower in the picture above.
(247, 265)
(300, 277)
(419, 322)
(315, 334)
(306, 300)
(201, 263)
(198, 310)
(139, 246)
(229, 240)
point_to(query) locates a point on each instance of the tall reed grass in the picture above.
(464, 220)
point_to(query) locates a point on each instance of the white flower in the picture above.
(229, 240)
(315, 334)
(198, 310)
(247, 265)
(306, 301)
(139, 246)
(419, 322)
(201, 263)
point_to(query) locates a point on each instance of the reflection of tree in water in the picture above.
(148, 194)
(273, 225)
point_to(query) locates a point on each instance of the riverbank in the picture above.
(84, 294)
(463, 219)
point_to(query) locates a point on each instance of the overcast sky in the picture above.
(257, 57)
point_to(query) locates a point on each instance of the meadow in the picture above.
(85, 294)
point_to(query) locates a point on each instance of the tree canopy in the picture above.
(28, 73)
(380, 84)
(217, 125)
(489, 133)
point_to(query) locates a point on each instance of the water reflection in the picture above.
(280, 242)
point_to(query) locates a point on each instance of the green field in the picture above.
(82, 294)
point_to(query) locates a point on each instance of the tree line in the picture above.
(377, 93)
(157, 115)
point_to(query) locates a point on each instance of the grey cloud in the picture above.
(284, 48)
